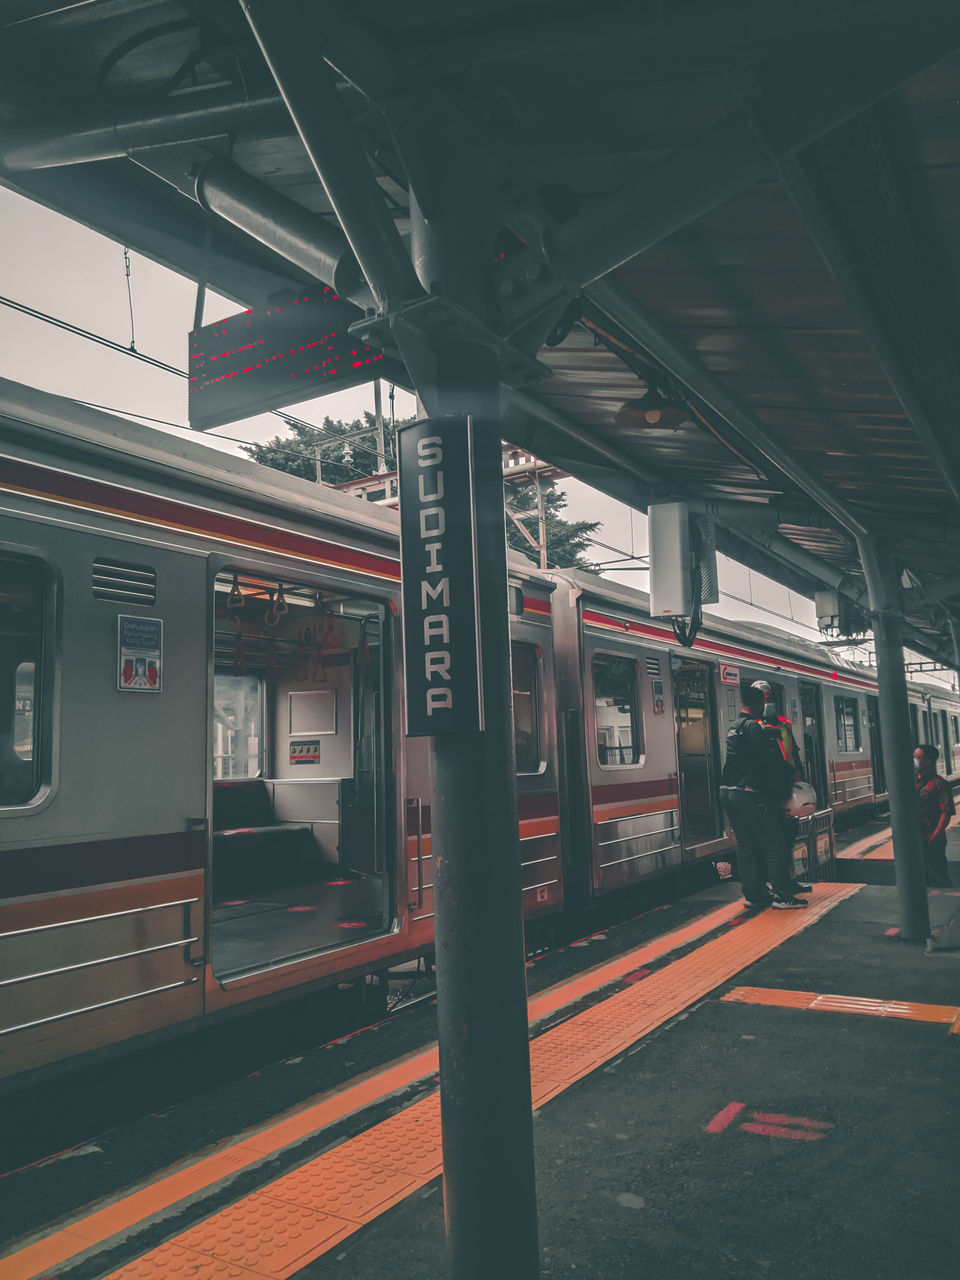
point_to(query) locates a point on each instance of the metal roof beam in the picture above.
(686, 33)
(641, 326)
(846, 190)
(282, 29)
(208, 113)
(726, 159)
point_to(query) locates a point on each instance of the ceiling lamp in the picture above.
(652, 410)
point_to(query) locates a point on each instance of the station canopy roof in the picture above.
(722, 237)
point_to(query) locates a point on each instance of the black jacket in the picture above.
(754, 760)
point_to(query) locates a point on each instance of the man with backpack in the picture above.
(755, 782)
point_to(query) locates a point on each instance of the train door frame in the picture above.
(877, 762)
(712, 755)
(815, 762)
(654, 832)
(225, 988)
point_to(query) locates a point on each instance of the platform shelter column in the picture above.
(883, 584)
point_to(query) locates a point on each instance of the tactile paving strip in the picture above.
(908, 1009)
(404, 1151)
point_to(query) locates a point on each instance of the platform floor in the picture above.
(716, 1095)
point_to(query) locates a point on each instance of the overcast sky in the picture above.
(60, 267)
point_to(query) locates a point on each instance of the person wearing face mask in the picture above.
(935, 802)
(782, 731)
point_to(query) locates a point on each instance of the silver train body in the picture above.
(206, 798)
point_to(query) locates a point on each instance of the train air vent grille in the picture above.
(653, 666)
(125, 583)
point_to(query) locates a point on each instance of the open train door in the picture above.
(811, 742)
(697, 751)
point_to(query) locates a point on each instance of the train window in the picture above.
(955, 725)
(237, 726)
(619, 740)
(526, 707)
(22, 589)
(926, 725)
(848, 724)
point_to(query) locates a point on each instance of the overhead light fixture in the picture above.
(653, 409)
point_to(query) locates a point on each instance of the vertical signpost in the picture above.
(438, 558)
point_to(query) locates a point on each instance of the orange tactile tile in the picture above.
(947, 1013)
(883, 854)
(268, 1236)
(177, 1263)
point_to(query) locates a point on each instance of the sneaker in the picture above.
(788, 904)
(757, 906)
(799, 887)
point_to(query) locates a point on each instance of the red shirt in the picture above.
(934, 798)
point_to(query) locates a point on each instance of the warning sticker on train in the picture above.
(139, 654)
(306, 751)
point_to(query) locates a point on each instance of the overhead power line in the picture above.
(329, 437)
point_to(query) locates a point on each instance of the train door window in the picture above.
(302, 798)
(22, 594)
(619, 735)
(848, 724)
(237, 726)
(693, 687)
(925, 715)
(915, 722)
(955, 724)
(526, 707)
(945, 738)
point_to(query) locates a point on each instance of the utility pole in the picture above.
(316, 455)
(378, 418)
(542, 522)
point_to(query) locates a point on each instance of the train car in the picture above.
(207, 800)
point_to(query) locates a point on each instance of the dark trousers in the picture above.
(761, 848)
(935, 864)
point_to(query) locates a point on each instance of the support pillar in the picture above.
(883, 585)
(488, 1170)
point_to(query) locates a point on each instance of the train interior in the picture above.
(299, 736)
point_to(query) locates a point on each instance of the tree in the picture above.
(296, 453)
(567, 540)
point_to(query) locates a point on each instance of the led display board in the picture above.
(276, 355)
(438, 568)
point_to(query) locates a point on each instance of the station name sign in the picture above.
(438, 562)
(284, 353)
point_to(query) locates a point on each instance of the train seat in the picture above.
(253, 853)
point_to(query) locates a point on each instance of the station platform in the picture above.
(716, 1094)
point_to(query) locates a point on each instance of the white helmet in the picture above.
(802, 801)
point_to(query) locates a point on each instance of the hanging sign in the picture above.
(438, 563)
(139, 654)
(729, 675)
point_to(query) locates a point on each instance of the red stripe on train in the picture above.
(79, 491)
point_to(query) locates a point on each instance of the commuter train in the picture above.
(206, 798)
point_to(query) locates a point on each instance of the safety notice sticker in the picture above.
(139, 654)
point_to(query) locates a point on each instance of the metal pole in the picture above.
(285, 30)
(316, 455)
(488, 1169)
(541, 523)
(378, 420)
(882, 574)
